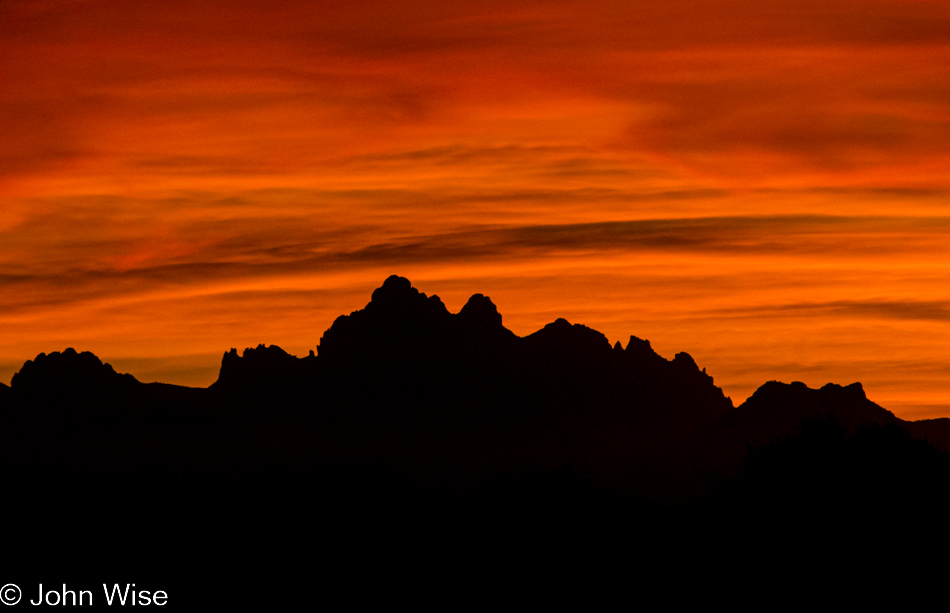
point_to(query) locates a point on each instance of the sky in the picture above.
(763, 184)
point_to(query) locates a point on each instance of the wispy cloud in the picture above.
(910, 310)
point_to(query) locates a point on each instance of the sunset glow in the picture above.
(763, 185)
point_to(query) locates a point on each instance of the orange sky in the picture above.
(763, 184)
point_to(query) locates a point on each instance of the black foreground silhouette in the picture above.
(420, 452)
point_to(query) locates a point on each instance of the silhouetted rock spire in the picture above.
(398, 317)
(781, 408)
(397, 298)
(255, 363)
(848, 403)
(480, 312)
(561, 335)
(69, 378)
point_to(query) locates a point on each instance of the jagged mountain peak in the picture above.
(481, 310)
(561, 332)
(397, 296)
(400, 318)
(62, 368)
(262, 355)
(788, 404)
(69, 379)
(639, 351)
(854, 391)
(685, 360)
(775, 390)
(264, 362)
(639, 345)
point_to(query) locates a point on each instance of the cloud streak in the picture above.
(206, 253)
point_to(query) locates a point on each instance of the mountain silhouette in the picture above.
(430, 395)
(409, 417)
(60, 380)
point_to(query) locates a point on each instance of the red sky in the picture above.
(763, 184)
